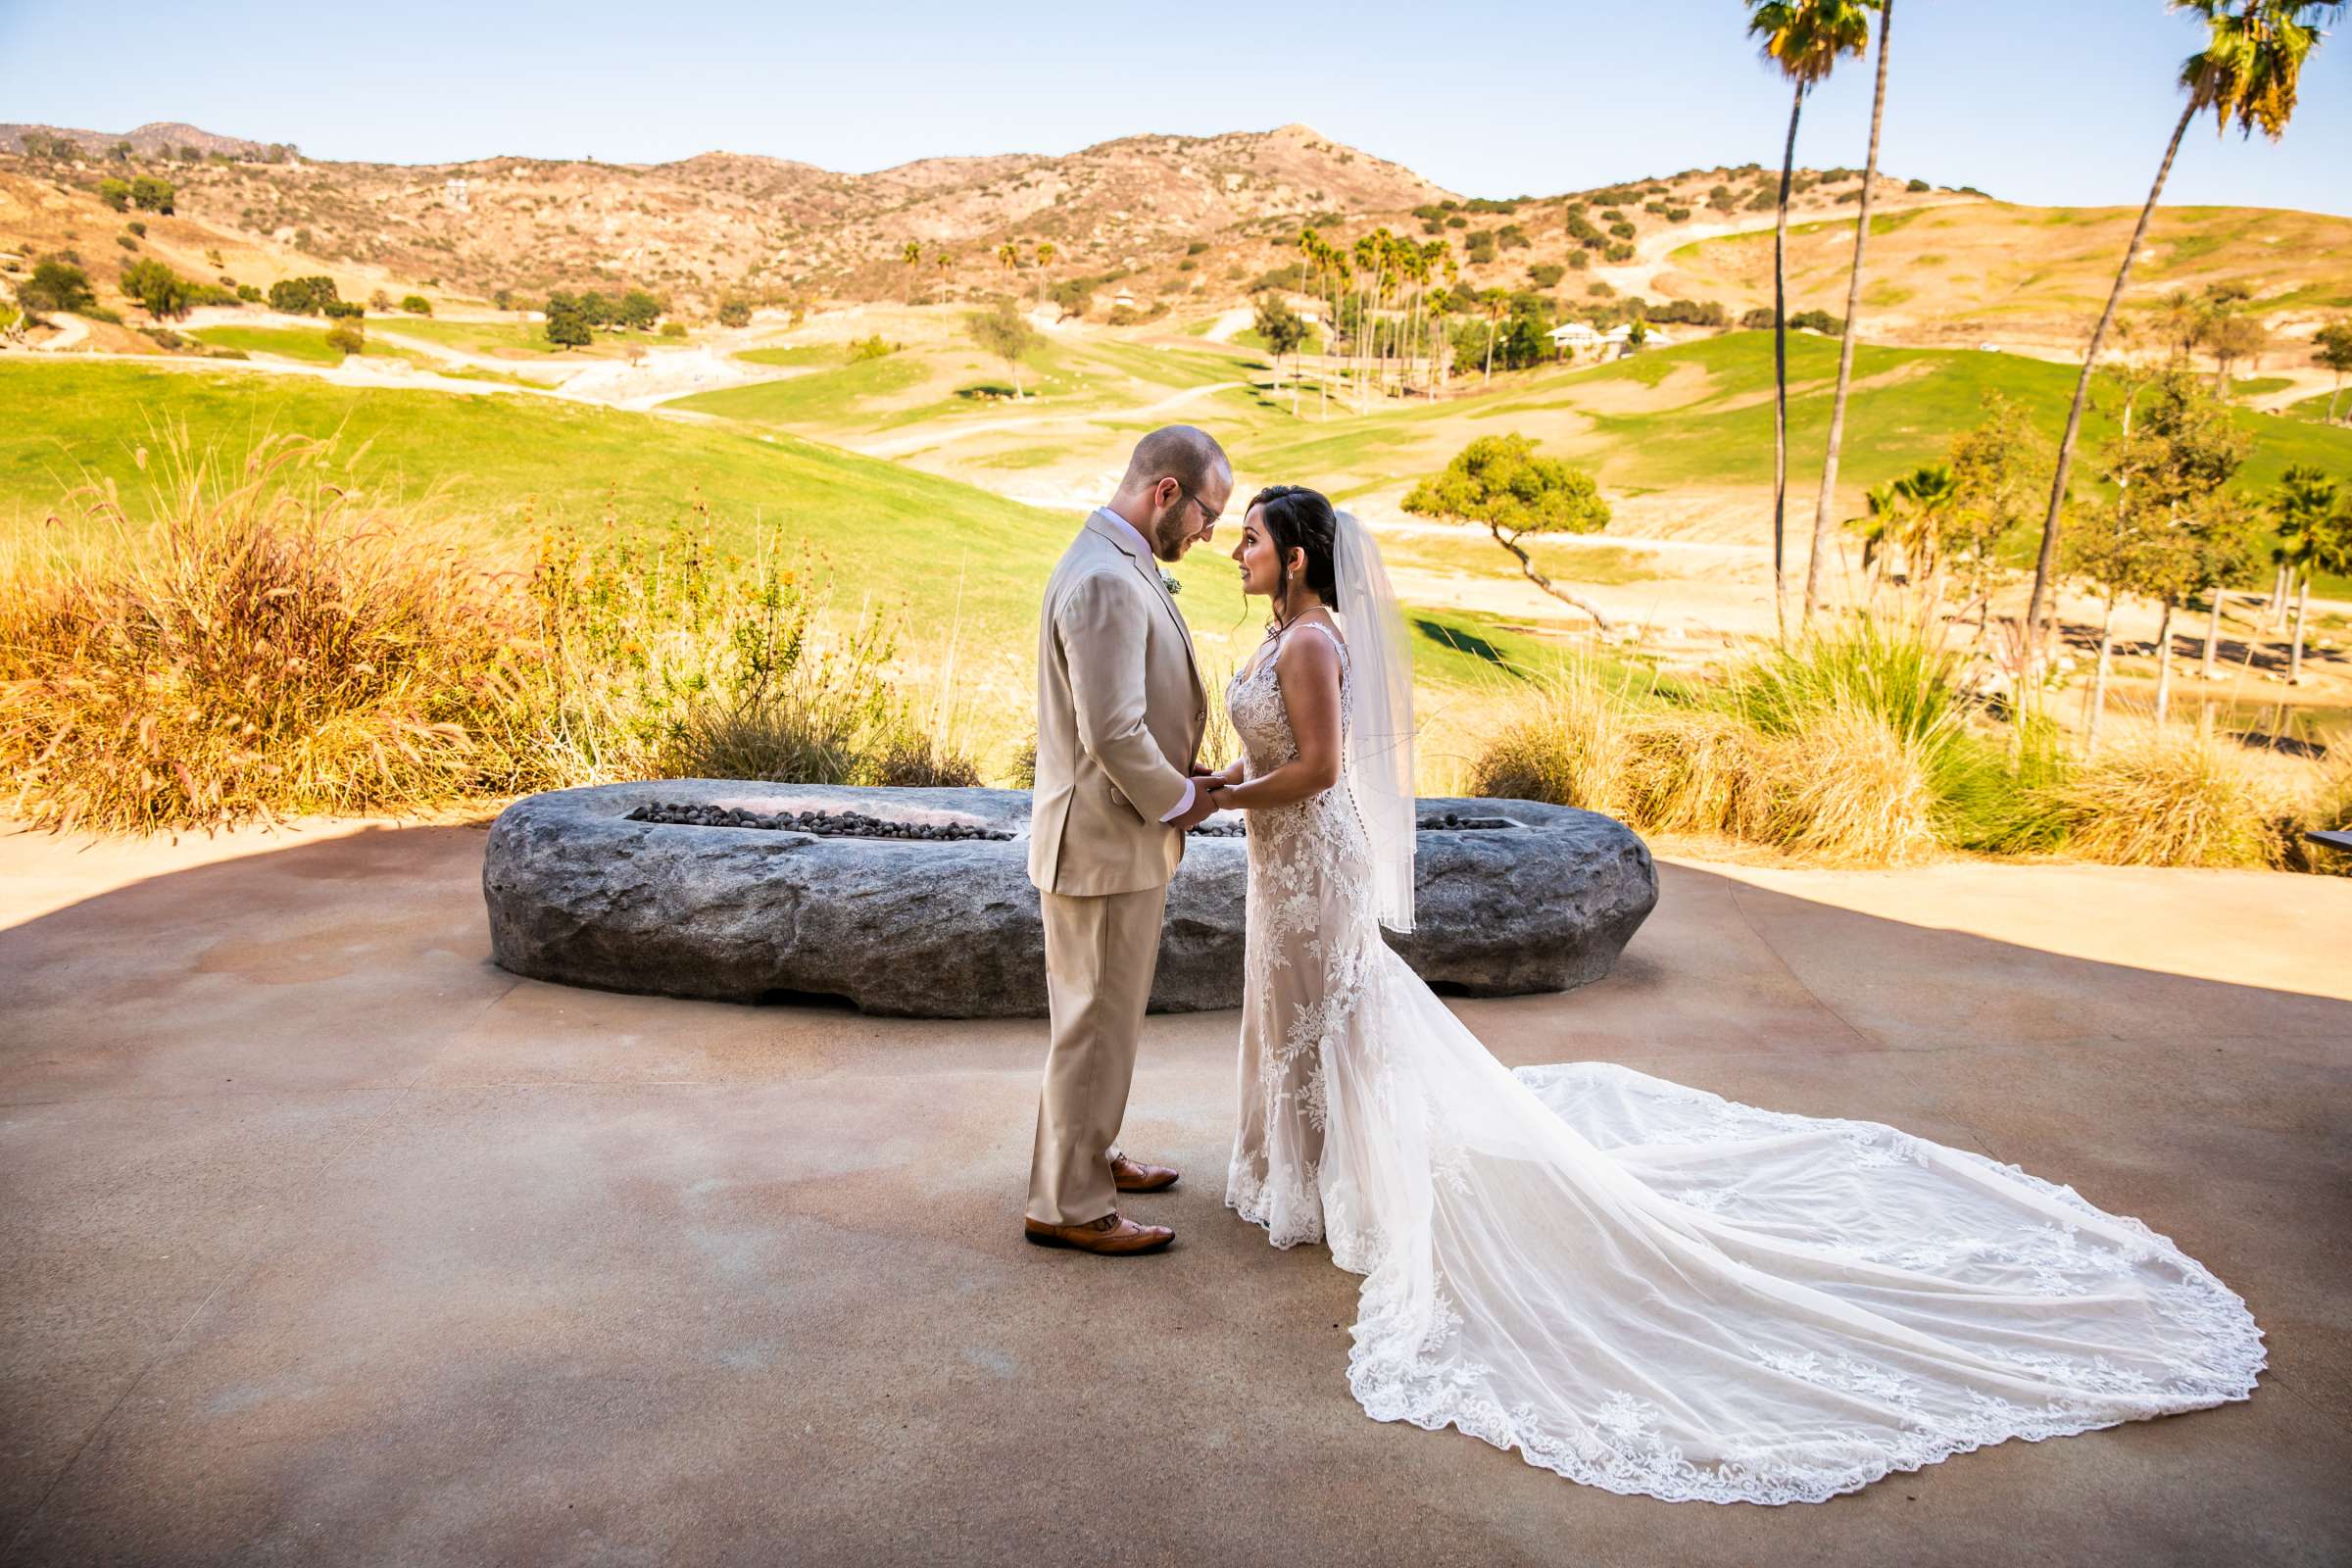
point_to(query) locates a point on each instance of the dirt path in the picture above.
(923, 440)
(351, 372)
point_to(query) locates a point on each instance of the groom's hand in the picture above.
(1204, 805)
(1201, 770)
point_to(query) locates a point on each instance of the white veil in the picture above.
(1379, 731)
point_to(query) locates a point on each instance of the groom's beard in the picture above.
(1167, 534)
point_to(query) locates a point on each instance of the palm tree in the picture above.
(2305, 508)
(1805, 39)
(1930, 492)
(912, 256)
(2247, 71)
(1880, 529)
(1366, 254)
(1009, 257)
(1845, 339)
(1045, 259)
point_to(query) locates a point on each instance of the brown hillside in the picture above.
(163, 138)
(1172, 222)
(718, 221)
(1994, 271)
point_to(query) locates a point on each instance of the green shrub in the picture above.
(57, 284)
(302, 295)
(160, 291)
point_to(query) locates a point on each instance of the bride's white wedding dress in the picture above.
(1646, 1287)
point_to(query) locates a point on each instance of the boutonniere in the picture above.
(1172, 584)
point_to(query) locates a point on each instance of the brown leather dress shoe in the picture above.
(1134, 1176)
(1113, 1236)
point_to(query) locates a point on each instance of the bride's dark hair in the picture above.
(1300, 519)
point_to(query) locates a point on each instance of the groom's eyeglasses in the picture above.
(1208, 519)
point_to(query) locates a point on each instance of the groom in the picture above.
(1120, 711)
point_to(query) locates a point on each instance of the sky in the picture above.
(2060, 102)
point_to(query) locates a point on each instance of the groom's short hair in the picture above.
(1185, 452)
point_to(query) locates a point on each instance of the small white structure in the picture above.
(457, 196)
(1619, 339)
(1123, 298)
(1573, 339)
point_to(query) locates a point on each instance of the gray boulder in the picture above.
(581, 893)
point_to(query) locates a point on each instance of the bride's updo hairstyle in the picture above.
(1298, 519)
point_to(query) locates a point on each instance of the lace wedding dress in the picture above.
(1644, 1286)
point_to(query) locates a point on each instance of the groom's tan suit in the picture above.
(1120, 713)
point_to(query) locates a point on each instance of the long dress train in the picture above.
(1646, 1287)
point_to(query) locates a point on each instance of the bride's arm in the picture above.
(1307, 668)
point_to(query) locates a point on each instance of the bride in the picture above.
(1641, 1286)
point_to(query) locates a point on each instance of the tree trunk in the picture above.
(1779, 370)
(1545, 583)
(2275, 611)
(2098, 683)
(1845, 340)
(2164, 663)
(2337, 392)
(2213, 633)
(2046, 561)
(1488, 379)
(2295, 662)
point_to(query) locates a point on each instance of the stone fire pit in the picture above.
(918, 903)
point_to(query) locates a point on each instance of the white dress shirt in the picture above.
(1150, 560)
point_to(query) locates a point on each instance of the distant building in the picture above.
(1573, 339)
(456, 196)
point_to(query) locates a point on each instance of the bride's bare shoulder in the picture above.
(1304, 654)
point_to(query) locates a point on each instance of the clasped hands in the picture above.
(1207, 786)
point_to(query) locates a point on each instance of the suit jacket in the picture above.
(1121, 710)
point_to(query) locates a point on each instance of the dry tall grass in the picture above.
(2169, 802)
(277, 643)
(272, 644)
(1843, 790)
(1858, 748)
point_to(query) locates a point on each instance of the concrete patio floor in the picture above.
(324, 1240)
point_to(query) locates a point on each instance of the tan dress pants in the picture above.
(1099, 957)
